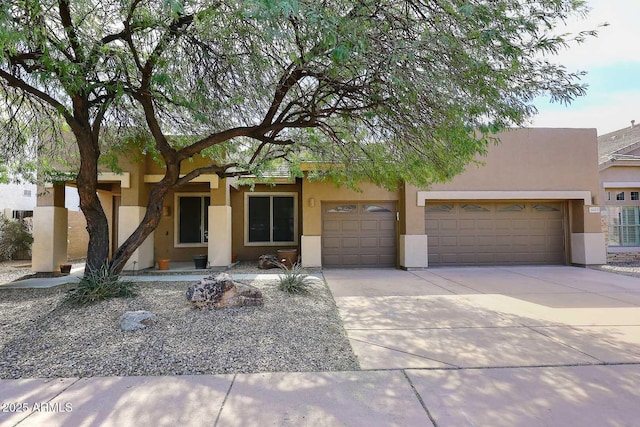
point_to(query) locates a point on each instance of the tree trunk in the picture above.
(149, 223)
(97, 225)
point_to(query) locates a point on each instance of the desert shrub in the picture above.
(99, 285)
(293, 281)
(15, 239)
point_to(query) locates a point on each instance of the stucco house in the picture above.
(619, 168)
(536, 200)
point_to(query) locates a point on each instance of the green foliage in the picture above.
(15, 239)
(293, 281)
(101, 284)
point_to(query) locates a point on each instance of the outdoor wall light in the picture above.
(312, 202)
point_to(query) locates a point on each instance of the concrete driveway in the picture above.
(501, 345)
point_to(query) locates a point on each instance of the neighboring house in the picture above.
(534, 201)
(619, 166)
(17, 200)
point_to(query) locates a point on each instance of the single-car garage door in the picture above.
(495, 233)
(359, 234)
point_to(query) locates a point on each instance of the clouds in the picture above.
(613, 63)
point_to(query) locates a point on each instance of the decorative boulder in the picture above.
(134, 320)
(268, 261)
(220, 291)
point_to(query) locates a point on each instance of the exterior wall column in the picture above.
(413, 248)
(220, 240)
(49, 231)
(588, 246)
(310, 238)
(134, 199)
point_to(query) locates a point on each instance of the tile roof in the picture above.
(618, 142)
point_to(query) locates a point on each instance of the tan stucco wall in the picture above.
(535, 159)
(323, 191)
(137, 194)
(78, 237)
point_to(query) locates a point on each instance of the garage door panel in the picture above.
(504, 233)
(467, 240)
(538, 224)
(448, 224)
(349, 242)
(368, 242)
(486, 241)
(554, 241)
(368, 260)
(348, 226)
(448, 240)
(331, 258)
(467, 224)
(331, 226)
(389, 226)
(332, 242)
(368, 226)
(503, 225)
(432, 224)
(387, 242)
(485, 224)
(554, 225)
(538, 240)
(349, 259)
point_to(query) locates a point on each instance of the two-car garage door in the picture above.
(495, 233)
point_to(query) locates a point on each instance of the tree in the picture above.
(384, 90)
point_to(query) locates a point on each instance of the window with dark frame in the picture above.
(193, 219)
(271, 219)
(620, 196)
(635, 195)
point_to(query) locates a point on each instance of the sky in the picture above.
(612, 61)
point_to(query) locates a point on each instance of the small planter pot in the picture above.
(200, 262)
(288, 257)
(65, 268)
(163, 264)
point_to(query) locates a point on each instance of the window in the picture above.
(474, 208)
(374, 209)
(192, 219)
(624, 225)
(271, 219)
(26, 193)
(438, 208)
(608, 195)
(635, 195)
(620, 196)
(343, 209)
(511, 208)
(21, 214)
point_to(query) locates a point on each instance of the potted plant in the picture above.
(163, 264)
(200, 262)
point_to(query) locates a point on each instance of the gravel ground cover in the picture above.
(626, 268)
(42, 336)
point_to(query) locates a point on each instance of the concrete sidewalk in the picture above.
(521, 346)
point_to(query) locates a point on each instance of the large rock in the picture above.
(220, 291)
(133, 320)
(268, 261)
